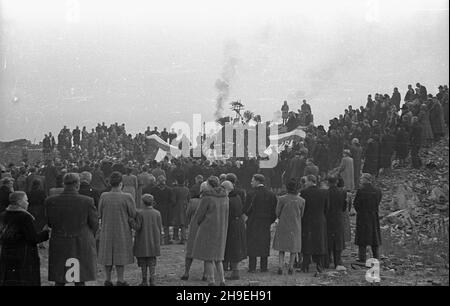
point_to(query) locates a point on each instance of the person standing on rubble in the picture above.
(366, 204)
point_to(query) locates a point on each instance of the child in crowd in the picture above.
(148, 227)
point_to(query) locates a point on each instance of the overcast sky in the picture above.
(147, 63)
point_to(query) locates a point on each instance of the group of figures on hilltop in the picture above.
(221, 210)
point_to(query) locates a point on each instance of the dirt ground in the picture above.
(170, 267)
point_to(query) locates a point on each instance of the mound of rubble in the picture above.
(416, 201)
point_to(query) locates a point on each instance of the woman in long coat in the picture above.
(288, 235)
(192, 220)
(236, 244)
(19, 258)
(424, 120)
(209, 243)
(366, 203)
(437, 119)
(117, 211)
(130, 184)
(347, 171)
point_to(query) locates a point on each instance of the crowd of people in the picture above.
(103, 203)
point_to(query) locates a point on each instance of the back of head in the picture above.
(292, 187)
(199, 178)
(148, 199)
(115, 179)
(71, 180)
(332, 181)
(85, 177)
(16, 196)
(228, 186)
(232, 178)
(213, 181)
(36, 185)
(311, 179)
(259, 178)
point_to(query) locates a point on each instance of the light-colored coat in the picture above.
(288, 235)
(130, 185)
(117, 210)
(191, 219)
(148, 226)
(347, 172)
(212, 214)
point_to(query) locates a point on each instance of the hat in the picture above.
(227, 185)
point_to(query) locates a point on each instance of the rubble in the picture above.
(415, 204)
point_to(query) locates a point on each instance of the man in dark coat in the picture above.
(396, 98)
(366, 204)
(306, 108)
(164, 199)
(295, 168)
(387, 147)
(50, 174)
(410, 95)
(335, 222)
(73, 220)
(261, 215)
(314, 224)
(401, 145)
(372, 157)
(415, 141)
(423, 94)
(320, 156)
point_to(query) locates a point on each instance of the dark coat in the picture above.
(19, 259)
(387, 147)
(396, 99)
(74, 222)
(36, 200)
(4, 197)
(371, 162)
(401, 144)
(314, 222)
(181, 198)
(335, 218)
(261, 214)
(320, 156)
(366, 203)
(164, 198)
(437, 119)
(50, 174)
(236, 245)
(87, 190)
(415, 135)
(295, 169)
